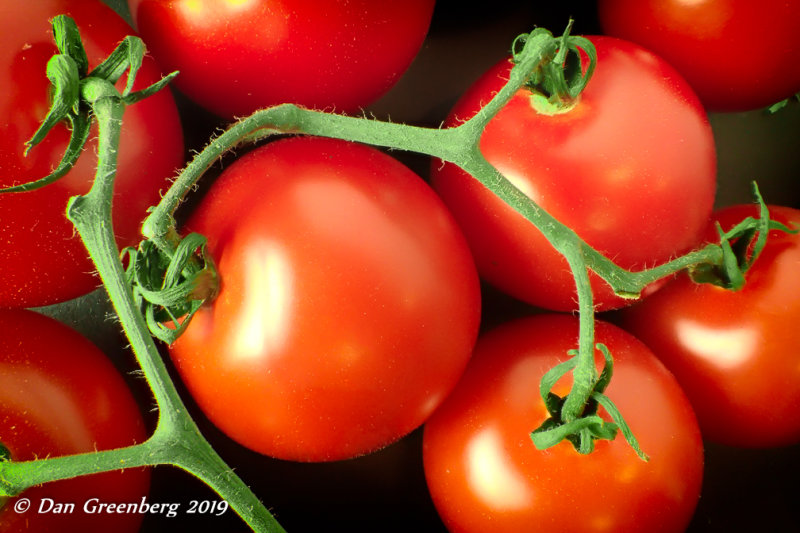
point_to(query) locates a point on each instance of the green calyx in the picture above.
(74, 89)
(740, 247)
(584, 430)
(556, 85)
(170, 287)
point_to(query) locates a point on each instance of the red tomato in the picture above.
(236, 57)
(60, 395)
(349, 302)
(631, 168)
(734, 352)
(484, 474)
(736, 54)
(42, 260)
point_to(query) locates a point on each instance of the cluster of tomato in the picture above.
(350, 309)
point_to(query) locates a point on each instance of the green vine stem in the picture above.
(458, 145)
(176, 439)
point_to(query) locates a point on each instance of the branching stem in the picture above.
(177, 439)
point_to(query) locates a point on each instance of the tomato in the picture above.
(60, 395)
(349, 302)
(42, 260)
(731, 351)
(631, 168)
(236, 57)
(736, 54)
(484, 474)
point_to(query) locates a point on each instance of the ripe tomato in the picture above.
(734, 352)
(736, 54)
(42, 260)
(348, 307)
(484, 474)
(631, 168)
(60, 395)
(237, 57)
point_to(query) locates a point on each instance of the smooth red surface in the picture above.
(737, 54)
(734, 352)
(236, 56)
(631, 168)
(349, 302)
(484, 473)
(60, 395)
(42, 260)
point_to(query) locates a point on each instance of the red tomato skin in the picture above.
(738, 55)
(42, 259)
(348, 307)
(484, 474)
(60, 395)
(338, 58)
(731, 351)
(631, 169)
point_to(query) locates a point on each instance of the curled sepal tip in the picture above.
(74, 92)
(583, 431)
(170, 289)
(557, 82)
(739, 247)
(65, 71)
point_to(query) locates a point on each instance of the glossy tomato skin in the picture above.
(737, 54)
(236, 57)
(42, 260)
(484, 474)
(733, 352)
(348, 307)
(631, 168)
(60, 395)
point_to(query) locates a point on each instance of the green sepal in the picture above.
(68, 41)
(136, 96)
(65, 79)
(739, 248)
(127, 57)
(551, 434)
(80, 126)
(553, 402)
(619, 422)
(557, 83)
(71, 87)
(170, 289)
(589, 427)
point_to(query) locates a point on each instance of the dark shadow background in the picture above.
(743, 489)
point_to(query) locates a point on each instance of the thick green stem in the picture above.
(458, 145)
(289, 118)
(21, 475)
(585, 373)
(461, 146)
(177, 440)
(91, 215)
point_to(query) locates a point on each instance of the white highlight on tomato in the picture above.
(724, 347)
(492, 476)
(263, 312)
